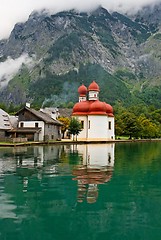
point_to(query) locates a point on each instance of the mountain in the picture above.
(121, 52)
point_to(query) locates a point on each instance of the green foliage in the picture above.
(157, 36)
(54, 90)
(107, 41)
(140, 31)
(22, 80)
(74, 127)
(110, 86)
(65, 121)
(3, 106)
(84, 24)
(131, 124)
(148, 129)
(10, 108)
(43, 87)
(64, 46)
(62, 40)
(137, 121)
(104, 33)
(151, 95)
(58, 88)
(125, 74)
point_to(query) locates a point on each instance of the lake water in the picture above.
(81, 192)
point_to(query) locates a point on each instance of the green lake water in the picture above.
(81, 192)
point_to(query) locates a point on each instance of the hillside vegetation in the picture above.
(122, 53)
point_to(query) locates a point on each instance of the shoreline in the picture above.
(65, 142)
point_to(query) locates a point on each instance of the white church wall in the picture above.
(83, 134)
(93, 95)
(111, 132)
(91, 154)
(98, 127)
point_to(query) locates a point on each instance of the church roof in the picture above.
(91, 107)
(93, 87)
(82, 90)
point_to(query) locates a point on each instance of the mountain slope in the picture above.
(69, 48)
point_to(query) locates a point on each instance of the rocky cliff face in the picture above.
(119, 52)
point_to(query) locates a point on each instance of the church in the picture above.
(96, 117)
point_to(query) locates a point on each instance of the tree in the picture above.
(148, 129)
(65, 121)
(131, 124)
(74, 127)
(3, 106)
(119, 126)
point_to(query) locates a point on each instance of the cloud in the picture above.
(11, 66)
(15, 11)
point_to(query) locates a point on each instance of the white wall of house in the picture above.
(31, 124)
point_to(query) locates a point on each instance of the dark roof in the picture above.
(4, 120)
(65, 112)
(41, 115)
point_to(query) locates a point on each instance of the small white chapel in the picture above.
(96, 117)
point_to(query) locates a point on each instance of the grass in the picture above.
(122, 137)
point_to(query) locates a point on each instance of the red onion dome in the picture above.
(82, 90)
(93, 87)
(97, 108)
(81, 108)
(109, 109)
(110, 114)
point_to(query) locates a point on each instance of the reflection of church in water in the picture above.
(93, 166)
(96, 168)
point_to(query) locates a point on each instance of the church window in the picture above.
(82, 124)
(109, 125)
(89, 124)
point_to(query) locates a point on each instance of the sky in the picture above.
(13, 11)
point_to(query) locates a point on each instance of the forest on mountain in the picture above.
(121, 53)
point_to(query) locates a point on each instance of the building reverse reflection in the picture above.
(96, 168)
(90, 164)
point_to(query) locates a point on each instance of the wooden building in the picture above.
(36, 126)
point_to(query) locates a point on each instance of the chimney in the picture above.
(28, 105)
